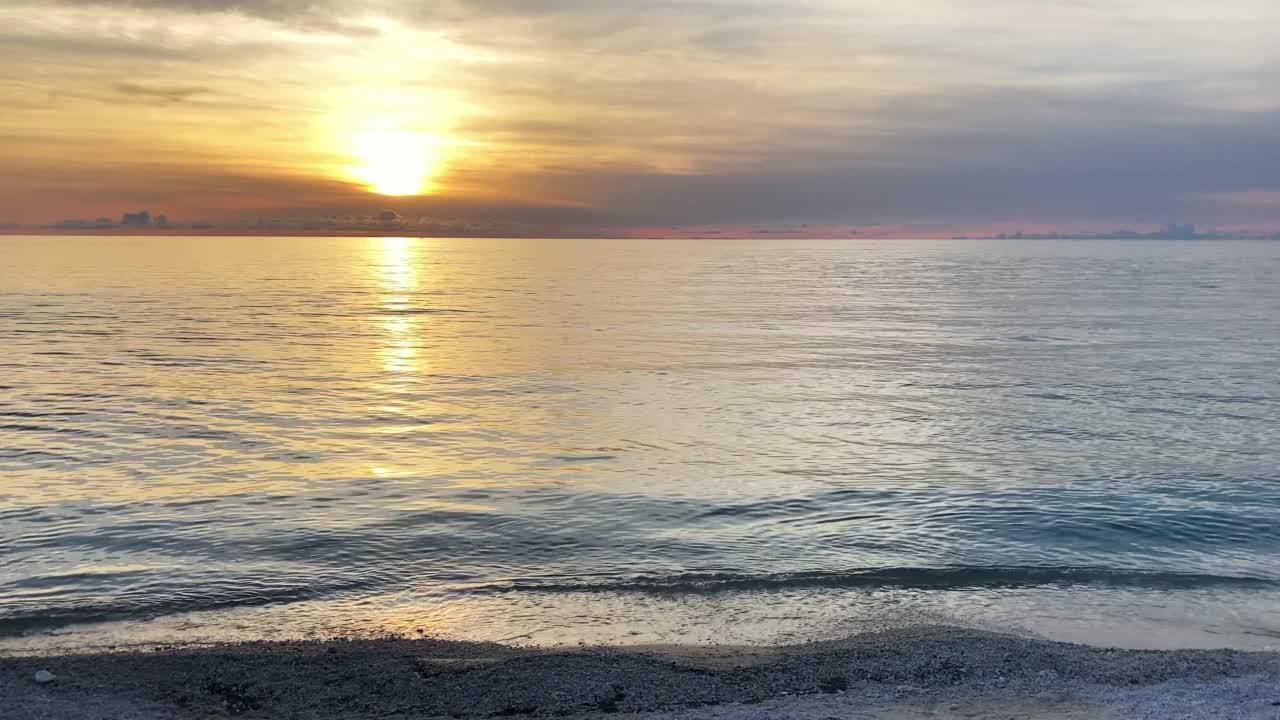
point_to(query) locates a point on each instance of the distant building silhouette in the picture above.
(1172, 231)
(138, 219)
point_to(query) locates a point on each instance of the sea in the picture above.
(634, 441)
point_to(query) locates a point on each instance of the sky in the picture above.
(644, 113)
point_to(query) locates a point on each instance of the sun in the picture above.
(395, 162)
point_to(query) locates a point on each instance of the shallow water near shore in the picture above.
(614, 441)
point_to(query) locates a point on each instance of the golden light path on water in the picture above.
(399, 280)
(395, 258)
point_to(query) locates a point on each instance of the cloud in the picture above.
(1001, 157)
(259, 8)
(162, 95)
(691, 110)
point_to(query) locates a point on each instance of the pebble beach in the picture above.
(928, 672)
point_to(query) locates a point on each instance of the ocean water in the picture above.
(571, 440)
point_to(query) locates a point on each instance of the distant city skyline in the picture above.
(389, 222)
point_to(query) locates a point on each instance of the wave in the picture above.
(155, 604)
(244, 593)
(905, 578)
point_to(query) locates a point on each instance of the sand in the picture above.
(892, 675)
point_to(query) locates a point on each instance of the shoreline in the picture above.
(920, 672)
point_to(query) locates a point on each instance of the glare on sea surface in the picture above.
(395, 259)
(395, 161)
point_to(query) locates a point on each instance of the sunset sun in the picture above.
(395, 162)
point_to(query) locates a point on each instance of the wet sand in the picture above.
(892, 675)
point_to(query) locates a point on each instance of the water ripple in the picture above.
(248, 422)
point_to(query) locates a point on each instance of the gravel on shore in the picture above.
(926, 672)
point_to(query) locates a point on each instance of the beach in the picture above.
(923, 672)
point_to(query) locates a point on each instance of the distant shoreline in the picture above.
(935, 672)
(405, 232)
(251, 233)
(248, 232)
